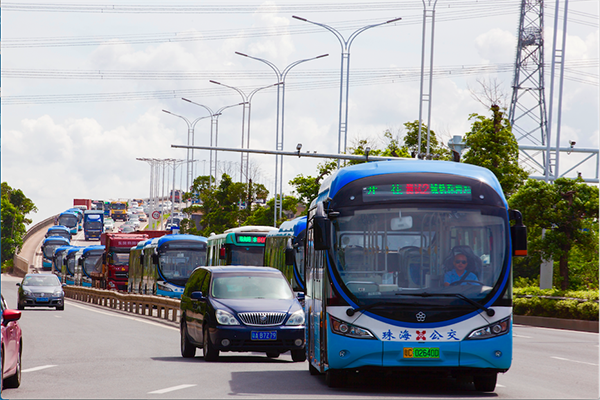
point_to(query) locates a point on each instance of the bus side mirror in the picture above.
(289, 256)
(155, 258)
(322, 228)
(518, 234)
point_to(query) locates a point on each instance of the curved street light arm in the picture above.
(338, 35)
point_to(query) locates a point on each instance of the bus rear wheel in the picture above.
(485, 383)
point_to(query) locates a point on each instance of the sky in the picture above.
(85, 83)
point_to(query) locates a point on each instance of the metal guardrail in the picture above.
(159, 307)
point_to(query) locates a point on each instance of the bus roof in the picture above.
(251, 228)
(91, 248)
(341, 177)
(56, 239)
(171, 238)
(290, 228)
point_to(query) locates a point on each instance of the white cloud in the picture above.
(496, 46)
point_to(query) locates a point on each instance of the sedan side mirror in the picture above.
(19, 284)
(198, 296)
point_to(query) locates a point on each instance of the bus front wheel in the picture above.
(485, 383)
(335, 378)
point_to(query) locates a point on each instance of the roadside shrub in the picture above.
(569, 308)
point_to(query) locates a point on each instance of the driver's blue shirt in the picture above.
(452, 276)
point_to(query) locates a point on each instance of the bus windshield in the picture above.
(68, 220)
(243, 255)
(90, 263)
(181, 262)
(389, 252)
(49, 248)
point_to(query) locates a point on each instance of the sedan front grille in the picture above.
(262, 318)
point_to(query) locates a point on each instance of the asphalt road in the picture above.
(86, 351)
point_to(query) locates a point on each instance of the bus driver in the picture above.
(460, 269)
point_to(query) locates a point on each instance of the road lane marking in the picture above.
(171, 389)
(38, 368)
(575, 361)
(523, 336)
(499, 385)
(113, 314)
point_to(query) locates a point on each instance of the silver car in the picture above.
(41, 290)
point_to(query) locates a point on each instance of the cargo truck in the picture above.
(93, 224)
(83, 202)
(118, 210)
(115, 259)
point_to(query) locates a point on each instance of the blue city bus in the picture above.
(90, 261)
(70, 266)
(284, 250)
(60, 253)
(381, 243)
(79, 213)
(59, 230)
(70, 219)
(49, 245)
(167, 264)
(244, 245)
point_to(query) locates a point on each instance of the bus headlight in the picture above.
(346, 329)
(164, 288)
(296, 318)
(496, 329)
(225, 318)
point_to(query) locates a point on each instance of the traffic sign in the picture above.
(155, 214)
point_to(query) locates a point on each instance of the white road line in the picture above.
(73, 304)
(171, 389)
(38, 368)
(499, 385)
(522, 336)
(575, 361)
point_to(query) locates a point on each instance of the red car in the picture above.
(12, 346)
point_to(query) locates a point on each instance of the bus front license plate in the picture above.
(421, 352)
(263, 335)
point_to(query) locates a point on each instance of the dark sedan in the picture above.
(41, 290)
(242, 309)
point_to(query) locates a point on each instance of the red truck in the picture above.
(83, 202)
(115, 260)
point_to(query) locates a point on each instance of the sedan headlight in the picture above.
(296, 318)
(492, 330)
(226, 318)
(27, 292)
(57, 292)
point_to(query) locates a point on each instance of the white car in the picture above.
(134, 221)
(109, 224)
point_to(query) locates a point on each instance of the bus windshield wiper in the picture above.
(490, 312)
(351, 311)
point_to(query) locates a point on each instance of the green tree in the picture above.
(222, 207)
(308, 187)
(264, 215)
(411, 141)
(568, 210)
(491, 144)
(15, 207)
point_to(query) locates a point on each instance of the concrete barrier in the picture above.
(558, 323)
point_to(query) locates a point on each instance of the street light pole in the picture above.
(247, 99)
(345, 73)
(191, 125)
(214, 127)
(280, 124)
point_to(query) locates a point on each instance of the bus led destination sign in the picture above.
(251, 239)
(431, 191)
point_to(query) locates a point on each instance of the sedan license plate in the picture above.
(421, 352)
(42, 299)
(263, 335)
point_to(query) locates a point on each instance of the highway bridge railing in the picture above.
(161, 307)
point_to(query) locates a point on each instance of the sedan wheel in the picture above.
(298, 355)
(188, 350)
(15, 380)
(210, 353)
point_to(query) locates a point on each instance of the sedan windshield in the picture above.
(41, 280)
(251, 287)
